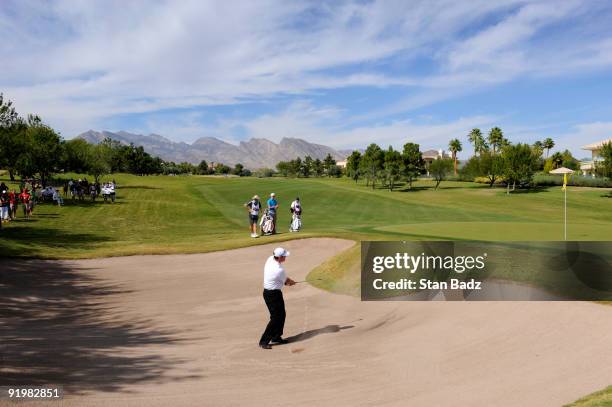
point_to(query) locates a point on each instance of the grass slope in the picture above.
(601, 398)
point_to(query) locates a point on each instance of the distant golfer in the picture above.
(253, 207)
(296, 215)
(272, 209)
(296, 207)
(274, 280)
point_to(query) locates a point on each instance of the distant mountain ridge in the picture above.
(254, 153)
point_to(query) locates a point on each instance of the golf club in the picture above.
(304, 281)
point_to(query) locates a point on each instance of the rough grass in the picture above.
(601, 398)
(339, 274)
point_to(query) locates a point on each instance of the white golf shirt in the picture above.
(274, 275)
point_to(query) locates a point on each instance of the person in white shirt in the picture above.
(274, 280)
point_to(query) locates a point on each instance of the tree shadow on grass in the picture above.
(43, 215)
(416, 189)
(89, 203)
(19, 240)
(58, 325)
(534, 190)
(139, 187)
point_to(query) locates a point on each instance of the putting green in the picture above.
(500, 231)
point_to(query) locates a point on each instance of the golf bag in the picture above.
(296, 223)
(267, 223)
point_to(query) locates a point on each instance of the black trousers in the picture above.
(276, 306)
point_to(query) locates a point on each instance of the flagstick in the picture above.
(565, 214)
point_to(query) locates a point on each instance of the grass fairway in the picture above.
(155, 215)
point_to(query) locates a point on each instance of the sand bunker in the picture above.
(182, 330)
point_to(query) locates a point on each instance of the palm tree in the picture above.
(455, 146)
(548, 144)
(538, 148)
(496, 137)
(504, 143)
(557, 159)
(475, 137)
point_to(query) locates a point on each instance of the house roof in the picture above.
(596, 146)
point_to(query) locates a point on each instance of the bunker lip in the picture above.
(469, 353)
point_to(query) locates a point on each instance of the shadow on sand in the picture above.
(59, 326)
(315, 332)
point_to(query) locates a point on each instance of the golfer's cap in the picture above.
(280, 252)
(255, 197)
(272, 194)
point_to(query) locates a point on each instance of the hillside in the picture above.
(254, 153)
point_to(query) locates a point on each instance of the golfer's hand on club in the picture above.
(289, 281)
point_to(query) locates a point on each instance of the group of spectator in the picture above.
(11, 200)
(30, 193)
(80, 188)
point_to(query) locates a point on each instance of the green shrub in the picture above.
(485, 180)
(573, 180)
(264, 173)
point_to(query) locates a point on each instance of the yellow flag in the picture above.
(564, 182)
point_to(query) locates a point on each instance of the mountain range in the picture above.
(254, 153)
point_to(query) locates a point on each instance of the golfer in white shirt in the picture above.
(274, 280)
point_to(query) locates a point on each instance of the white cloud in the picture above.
(315, 124)
(583, 134)
(78, 63)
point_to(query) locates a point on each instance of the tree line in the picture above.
(495, 158)
(309, 167)
(30, 148)
(387, 166)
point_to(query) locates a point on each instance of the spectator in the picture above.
(14, 203)
(105, 192)
(92, 192)
(4, 205)
(57, 197)
(111, 188)
(25, 200)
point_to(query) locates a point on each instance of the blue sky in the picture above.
(340, 73)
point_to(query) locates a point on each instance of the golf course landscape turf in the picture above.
(194, 214)
(158, 215)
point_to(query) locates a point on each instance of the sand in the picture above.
(182, 330)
